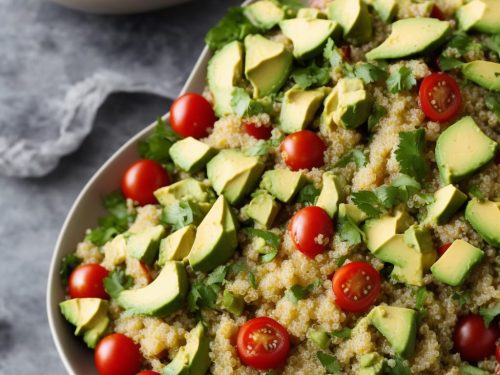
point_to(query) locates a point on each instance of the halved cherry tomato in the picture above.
(86, 281)
(473, 340)
(191, 115)
(147, 373)
(311, 230)
(258, 132)
(356, 286)
(440, 97)
(141, 179)
(303, 150)
(442, 249)
(436, 12)
(117, 354)
(263, 343)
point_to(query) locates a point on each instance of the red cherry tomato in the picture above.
(356, 286)
(117, 354)
(303, 150)
(311, 230)
(148, 373)
(191, 115)
(86, 281)
(440, 97)
(442, 249)
(263, 343)
(141, 179)
(497, 353)
(436, 12)
(473, 340)
(258, 132)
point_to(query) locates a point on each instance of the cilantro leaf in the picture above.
(407, 186)
(217, 276)
(272, 239)
(493, 104)
(181, 214)
(368, 202)
(329, 362)
(399, 368)
(332, 54)
(420, 297)
(378, 112)
(251, 279)
(261, 148)
(68, 264)
(489, 313)
(463, 43)
(449, 63)
(356, 155)
(297, 292)
(117, 281)
(308, 194)
(349, 232)
(475, 192)
(388, 196)
(401, 80)
(204, 293)
(243, 105)
(341, 260)
(461, 297)
(410, 154)
(369, 73)
(493, 43)
(157, 145)
(311, 76)
(344, 333)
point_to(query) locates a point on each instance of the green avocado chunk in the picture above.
(447, 201)
(162, 297)
(332, 192)
(462, 149)
(144, 245)
(485, 73)
(353, 212)
(224, 72)
(308, 35)
(299, 107)
(264, 14)
(216, 238)
(176, 246)
(263, 209)
(191, 155)
(234, 304)
(348, 105)
(484, 216)
(282, 183)
(398, 325)
(234, 174)
(354, 18)
(193, 358)
(371, 364)
(411, 36)
(89, 315)
(319, 337)
(310, 13)
(380, 230)
(480, 15)
(456, 263)
(188, 189)
(267, 64)
(386, 9)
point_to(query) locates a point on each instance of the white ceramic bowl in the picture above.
(117, 6)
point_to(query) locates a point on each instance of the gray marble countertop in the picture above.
(33, 210)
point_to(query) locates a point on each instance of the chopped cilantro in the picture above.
(341, 260)
(272, 239)
(369, 73)
(401, 80)
(449, 63)
(461, 297)
(68, 264)
(344, 333)
(329, 362)
(489, 313)
(204, 292)
(493, 43)
(297, 292)
(311, 76)
(399, 368)
(463, 43)
(420, 297)
(308, 194)
(410, 154)
(349, 232)
(356, 155)
(407, 186)
(377, 113)
(368, 202)
(117, 281)
(181, 214)
(332, 54)
(475, 192)
(157, 145)
(493, 104)
(251, 279)
(243, 105)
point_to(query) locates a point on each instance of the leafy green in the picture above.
(308, 194)
(117, 281)
(329, 362)
(204, 292)
(311, 76)
(399, 368)
(475, 192)
(356, 155)
(368, 202)
(181, 214)
(461, 297)
(157, 145)
(369, 73)
(401, 80)
(297, 292)
(344, 333)
(463, 43)
(489, 313)
(420, 296)
(449, 63)
(262, 148)
(233, 26)
(268, 253)
(68, 264)
(341, 260)
(410, 154)
(243, 105)
(251, 279)
(349, 231)
(407, 186)
(332, 54)
(493, 43)
(493, 104)
(378, 112)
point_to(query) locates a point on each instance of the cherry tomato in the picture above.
(497, 353)
(141, 179)
(440, 97)
(258, 132)
(303, 150)
(263, 343)
(147, 373)
(191, 115)
(356, 286)
(86, 281)
(473, 340)
(442, 249)
(311, 230)
(117, 354)
(436, 12)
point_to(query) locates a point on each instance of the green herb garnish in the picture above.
(410, 154)
(181, 214)
(234, 26)
(157, 145)
(401, 80)
(117, 281)
(378, 112)
(489, 313)
(308, 194)
(68, 264)
(311, 76)
(369, 73)
(329, 362)
(297, 292)
(356, 155)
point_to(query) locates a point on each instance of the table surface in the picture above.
(34, 209)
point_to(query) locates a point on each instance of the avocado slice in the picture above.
(485, 73)
(480, 15)
(191, 155)
(332, 192)
(353, 212)
(224, 72)
(263, 209)
(162, 297)
(265, 14)
(371, 364)
(411, 36)
(89, 315)
(188, 189)
(447, 201)
(144, 245)
(310, 13)
(354, 18)
(299, 107)
(398, 325)
(462, 149)
(348, 105)
(193, 358)
(234, 304)
(484, 216)
(176, 246)
(216, 238)
(386, 9)
(282, 183)
(419, 238)
(234, 174)
(308, 35)
(456, 263)
(380, 230)
(267, 64)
